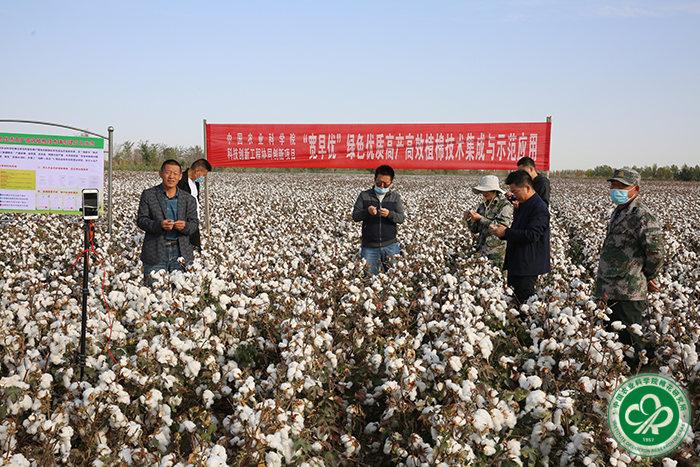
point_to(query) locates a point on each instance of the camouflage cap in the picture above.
(627, 176)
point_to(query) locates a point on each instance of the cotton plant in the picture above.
(274, 348)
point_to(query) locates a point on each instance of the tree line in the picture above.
(653, 172)
(149, 156)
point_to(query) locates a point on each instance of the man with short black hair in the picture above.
(539, 182)
(380, 210)
(527, 251)
(168, 215)
(191, 178)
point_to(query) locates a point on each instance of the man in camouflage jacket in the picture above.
(632, 254)
(495, 209)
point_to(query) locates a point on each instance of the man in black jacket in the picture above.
(380, 210)
(527, 252)
(191, 178)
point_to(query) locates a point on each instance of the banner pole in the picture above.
(206, 183)
(549, 142)
(110, 132)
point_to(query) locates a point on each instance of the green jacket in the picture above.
(632, 253)
(499, 211)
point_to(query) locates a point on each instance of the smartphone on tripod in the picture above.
(91, 204)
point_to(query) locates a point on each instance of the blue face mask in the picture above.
(381, 191)
(199, 180)
(619, 197)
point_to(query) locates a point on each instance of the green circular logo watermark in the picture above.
(649, 415)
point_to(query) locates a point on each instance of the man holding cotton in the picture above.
(380, 210)
(168, 216)
(527, 251)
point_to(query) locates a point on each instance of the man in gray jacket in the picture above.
(380, 210)
(168, 215)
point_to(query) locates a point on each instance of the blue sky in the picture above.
(621, 79)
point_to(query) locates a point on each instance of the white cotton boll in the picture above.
(64, 436)
(390, 387)
(209, 315)
(162, 437)
(449, 280)
(208, 398)
(192, 368)
(46, 380)
(371, 427)
(524, 382)
(535, 399)
(216, 461)
(455, 363)
(217, 457)
(133, 432)
(497, 418)
(530, 382)
(47, 425)
(332, 359)
(287, 389)
(152, 399)
(513, 451)
(351, 444)
(482, 421)
(26, 402)
(618, 326)
(18, 460)
(108, 377)
(272, 459)
(489, 447)
(13, 381)
(667, 462)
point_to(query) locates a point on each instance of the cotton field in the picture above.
(274, 349)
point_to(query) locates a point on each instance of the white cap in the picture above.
(488, 183)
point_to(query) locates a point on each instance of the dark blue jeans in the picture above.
(169, 263)
(379, 257)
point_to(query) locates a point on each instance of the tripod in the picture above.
(88, 229)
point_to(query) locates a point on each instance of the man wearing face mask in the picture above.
(191, 178)
(631, 257)
(380, 210)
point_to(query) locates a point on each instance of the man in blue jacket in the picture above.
(527, 252)
(380, 210)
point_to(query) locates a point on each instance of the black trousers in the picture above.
(523, 286)
(629, 312)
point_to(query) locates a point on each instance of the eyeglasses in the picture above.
(382, 184)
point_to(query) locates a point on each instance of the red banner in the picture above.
(465, 146)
